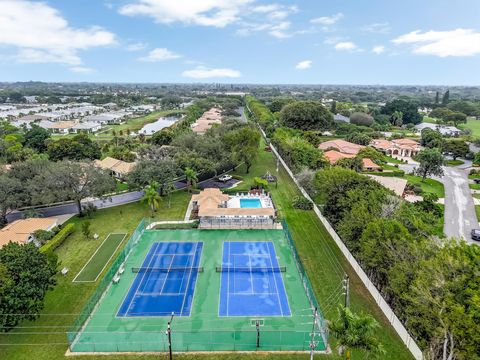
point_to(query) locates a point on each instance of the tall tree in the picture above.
(409, 109)
(306, 115)
(25, 276)
(10, 196)
(437, 97)
(354, 331)
(446, 98)
(152, 197)
(457, 148)
(244, 145)
(73, 181)
(431, 162)
(191, 177)
(36, 138)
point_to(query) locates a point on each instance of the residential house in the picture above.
(442, 129)
(21, 231)
(397, 185)
(333, 156)
(88, 127)
(342, 146)
(120, 169)
(397, 147)
(340, 117)
(207, 120)
(61, 127)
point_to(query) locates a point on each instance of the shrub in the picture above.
(300, 202)
(42, 236)
(58, 239)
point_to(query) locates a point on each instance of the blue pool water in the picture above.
(250, 203)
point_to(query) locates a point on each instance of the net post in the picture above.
(257, 325)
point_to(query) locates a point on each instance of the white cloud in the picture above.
(160, 54)
(205, 73)
(327, 20)
(42, 35)
(217, 13)
(378, 49)
(378, 28)
(82, 69)
(303, 65)
(345, 45)
(458, 42)
(136, 46)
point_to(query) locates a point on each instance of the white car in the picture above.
(225, 178)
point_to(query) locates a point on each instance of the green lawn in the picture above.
(322, 259)
(100, 258)
(430, 120)
(473, 125)
(474, 186)
(392, 160)
(454, 162)
(430, 185)
(477, 211)
(121, 186)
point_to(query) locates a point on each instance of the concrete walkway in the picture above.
(460, 216)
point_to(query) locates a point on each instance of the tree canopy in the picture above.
(409, 110)
(306, 115)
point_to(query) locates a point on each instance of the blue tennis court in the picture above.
(165, 283)
(251, 281)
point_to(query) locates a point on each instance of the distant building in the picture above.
(21, 231)
(340, 117)
(88, 127)
(207, 120)
(442, 129)
(61, 127)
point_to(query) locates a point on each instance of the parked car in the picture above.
(225, 178)
(476, 234)
(477, 180)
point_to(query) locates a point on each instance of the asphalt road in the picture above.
(71, 208)
(460, 217)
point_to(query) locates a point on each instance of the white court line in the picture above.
(199, 263)
(106, 263)
(166, 276)
(188, 282)
(275, 279)
(228, 279)
(251, 272)
(141, 281)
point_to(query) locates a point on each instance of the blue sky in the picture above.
(242, 41)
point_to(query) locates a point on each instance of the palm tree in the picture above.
(191, 177)
(354, 331)
(151, 196)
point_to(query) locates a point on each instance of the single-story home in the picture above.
(334, 156)
(342, 146)
(89, 127)
(61, 127)
(399, 147)
(21, 231)
(218, 210)
(206, 121)
(442, 129)
(118, 168)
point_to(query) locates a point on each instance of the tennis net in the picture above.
(166, 269)
(267, 269)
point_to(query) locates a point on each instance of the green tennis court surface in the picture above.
(101, 329)
(100, 258)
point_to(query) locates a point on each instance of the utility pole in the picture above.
(313, 344)
(169, 334)
(346, 287)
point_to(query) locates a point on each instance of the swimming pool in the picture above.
(250, 203)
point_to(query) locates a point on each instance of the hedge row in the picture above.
(58, 239)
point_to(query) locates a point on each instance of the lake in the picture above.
(158, 125)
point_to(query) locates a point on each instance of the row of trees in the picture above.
(430, 283)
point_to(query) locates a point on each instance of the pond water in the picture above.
(158, 125)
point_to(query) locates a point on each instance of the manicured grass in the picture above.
(95, 265)
(476, 195)
(430, 185)
(474, 186)
(320, 255)
(121, 186)
(477, 211)
(454, 162)
(392, 160)
(473, 125)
